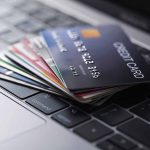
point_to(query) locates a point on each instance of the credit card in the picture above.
(34, 61)
(26, 52)
(60, 90)
(11, 79)
(20, 77)
(95, 57)
(20, 71)
(89, 96)
(5, 59)
(27, 65)
(42, 50)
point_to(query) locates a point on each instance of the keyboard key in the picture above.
(137, 129)
(70, 117)
(12, 3)
(46, 14)
(46, 103)
(63, 20)
(18, 90)
(30, 7)
(106, 145)
(4, 11)
(11, 37)
(122, 142)
(138, 148)
(113, 115)
(16, 18)
(71, 22)
(55, 23)
(130, 97)
(3, 28)
(93, 131)
(30, 26)
(142, 110)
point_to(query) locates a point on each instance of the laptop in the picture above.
(33, 120)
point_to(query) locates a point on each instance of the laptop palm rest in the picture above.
(14, 119)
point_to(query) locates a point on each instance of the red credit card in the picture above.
(26, 52)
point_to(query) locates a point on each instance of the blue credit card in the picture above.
(20, 77)
(96, 57)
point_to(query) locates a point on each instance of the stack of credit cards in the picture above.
(84, 63)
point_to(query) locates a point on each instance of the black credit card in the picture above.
(96, 57)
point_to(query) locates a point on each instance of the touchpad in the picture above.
(15, 119)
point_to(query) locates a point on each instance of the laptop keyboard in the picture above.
(46, 103)
(120, 124)
(113, 115)
(18, 90)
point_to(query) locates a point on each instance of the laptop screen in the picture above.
(134, 12)
(139, 6)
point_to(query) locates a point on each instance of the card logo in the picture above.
(90, 33)
(124, 53)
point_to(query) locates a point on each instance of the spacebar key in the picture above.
(138, 130)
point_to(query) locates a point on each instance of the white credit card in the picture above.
(10, 79)
(16, 69)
